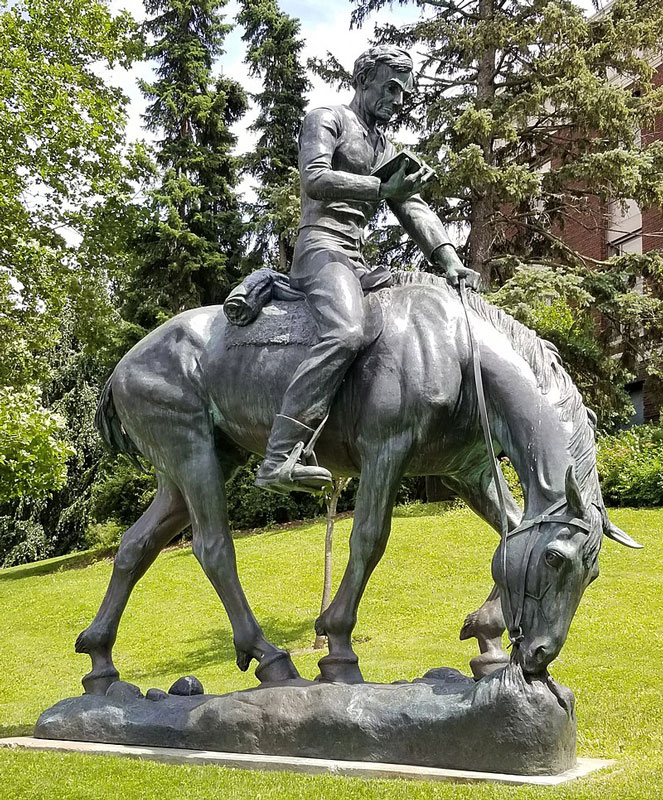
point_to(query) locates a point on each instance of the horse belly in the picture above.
(249, 385)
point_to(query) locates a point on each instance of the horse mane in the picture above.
(544, 360)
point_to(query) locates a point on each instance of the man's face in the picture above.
(383, 94)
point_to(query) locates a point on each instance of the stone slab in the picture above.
(502, 723)
(308, 766)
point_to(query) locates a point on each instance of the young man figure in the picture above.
(339, 148)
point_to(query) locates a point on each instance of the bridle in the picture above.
(514, 607)
(532, 527)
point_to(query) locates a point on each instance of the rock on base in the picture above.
(502, 723)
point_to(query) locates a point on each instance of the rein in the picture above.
(513, 620)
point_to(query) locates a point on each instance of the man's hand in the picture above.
(447, 257)
(401, 186)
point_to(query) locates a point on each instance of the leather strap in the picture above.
(498, 478)
(513, 619)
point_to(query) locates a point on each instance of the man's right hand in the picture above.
(402, 186)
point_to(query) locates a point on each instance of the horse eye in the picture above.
(554, 559)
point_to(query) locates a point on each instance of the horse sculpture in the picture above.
(197, 395)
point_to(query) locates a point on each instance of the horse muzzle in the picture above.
(535, 655)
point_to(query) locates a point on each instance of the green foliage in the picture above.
(22, 541)
(61, 150)
(273, 54)
(32, 453)
(630, 465)
(188, 247)
(582, 312)
(104, 535)
(512, 480)
(121, 493)
(250, 507)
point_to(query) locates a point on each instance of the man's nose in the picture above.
(398, 99)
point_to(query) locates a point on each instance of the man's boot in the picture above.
(284, 469)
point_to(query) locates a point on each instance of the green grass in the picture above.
(436, 569)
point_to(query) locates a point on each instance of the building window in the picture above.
(630, 243)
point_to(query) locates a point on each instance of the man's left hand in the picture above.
(447, 258)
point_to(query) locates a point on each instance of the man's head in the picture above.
(382, 75)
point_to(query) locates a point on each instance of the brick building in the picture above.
(607, 230)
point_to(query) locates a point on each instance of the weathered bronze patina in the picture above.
(340, 149)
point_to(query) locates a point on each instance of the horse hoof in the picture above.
(340, 669)
(487, 663)
(98, 682)
(277, 668)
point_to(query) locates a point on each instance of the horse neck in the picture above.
(536, 436)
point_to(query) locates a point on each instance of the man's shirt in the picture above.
(336, 158)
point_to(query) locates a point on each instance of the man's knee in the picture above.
(349, 339)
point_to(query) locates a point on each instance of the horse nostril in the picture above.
(540, 652)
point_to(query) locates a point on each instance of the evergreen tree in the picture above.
(190, 248)
(273, 55)
(530, 112)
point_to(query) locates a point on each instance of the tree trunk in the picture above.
(283, 253)
(479, 242)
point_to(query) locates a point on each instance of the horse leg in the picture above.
(140, 545)
(376, 495)
(487, 622)
(201, 481)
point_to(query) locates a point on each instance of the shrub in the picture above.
(22, 541)
(250, 507)
(630, 465)
(104, 535)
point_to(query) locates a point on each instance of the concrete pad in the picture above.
(309, 766)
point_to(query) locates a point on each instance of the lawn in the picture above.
(435, 570)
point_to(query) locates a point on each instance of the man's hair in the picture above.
(367, 64)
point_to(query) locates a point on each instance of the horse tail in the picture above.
(109, 425)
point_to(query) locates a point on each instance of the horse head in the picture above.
(543, 568)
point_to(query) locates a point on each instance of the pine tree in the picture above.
(515, 108)
(273, 55)
(190, 247)
(531, 112)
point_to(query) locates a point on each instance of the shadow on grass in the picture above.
(217, 647)
(60, 564)
(11, 731)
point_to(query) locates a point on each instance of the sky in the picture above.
(324, 27)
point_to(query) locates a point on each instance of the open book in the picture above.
(386, 169)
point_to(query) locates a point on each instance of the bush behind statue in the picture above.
(630, 465)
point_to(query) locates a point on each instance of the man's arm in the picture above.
(423, 225)
(317, 142)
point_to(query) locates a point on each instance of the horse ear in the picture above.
(573, 495)
(620, 536)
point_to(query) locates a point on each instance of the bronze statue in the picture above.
(199, 394)
(340, 148)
